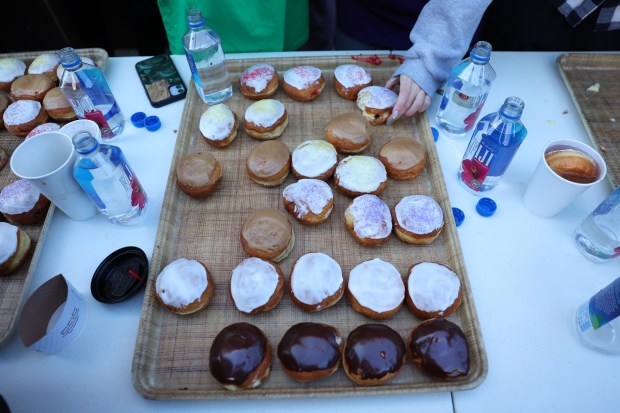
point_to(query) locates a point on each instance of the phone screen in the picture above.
(161, 80)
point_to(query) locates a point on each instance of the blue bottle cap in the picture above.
(435, 133)
(459, 216)
(152, 123)
(137, 119)
(486, 207)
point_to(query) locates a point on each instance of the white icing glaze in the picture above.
(8, 241)
(371, 217)
(11, 68)
(21, 111)
(252, 284)
(181, 282)
(264, 112)
(315, 277)
(376, 97)
(314, 157)
(308, 195)
(257, 76)
(301, 77)
(433, 287)
(419, 214)
(217, 122)
(360, 173)
(43, 63)
(377, 285)
(352, 75)
(46, 127)
(18, 197)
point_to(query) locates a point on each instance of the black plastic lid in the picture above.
(120, 275)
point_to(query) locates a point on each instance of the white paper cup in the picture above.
(46, 160)
(81, 125)
(548, 193)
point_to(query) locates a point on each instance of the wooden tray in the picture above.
(599, 110)
(12, 287)
(172, 352)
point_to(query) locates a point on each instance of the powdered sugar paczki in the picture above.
(11, 68)
(376, 97)
(217, 122)
(361, 173)
(46, 127)
(21, 111)
(265, 112)
(371, 217)
(257, 76)
(419, 214)
(18, 197)
(377, 285)
(352, 75)
(314, 157)
(308, 195)
(8, 241)
(301, 77)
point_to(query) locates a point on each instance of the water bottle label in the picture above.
(96, 116)
(604, 306)
(473, 173)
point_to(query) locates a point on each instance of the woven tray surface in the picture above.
(12, 287)
(598, 109)
(172, 352)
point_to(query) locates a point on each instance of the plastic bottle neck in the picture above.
(69, 59)
(195, 20)
(85, 143)
(481, 53)
(512, 109)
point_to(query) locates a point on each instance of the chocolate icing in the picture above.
(442, 348)
(309, 347)
(236, 352)
(374, 350)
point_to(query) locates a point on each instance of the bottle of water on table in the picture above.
(89, 94)
(466, 91)
(598, 319)
(492, 147)
(106, 177)
(205, 57)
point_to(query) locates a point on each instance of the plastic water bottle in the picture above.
(598, 321)
(106, 177)
(205, 56)
(598, 235)
(466, 91)
(493, 144)
(89, 94)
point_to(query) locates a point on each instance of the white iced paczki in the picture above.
(253, 283)
(360, 173)
(352, 75)
(301, 77)
(257, 76)
(11, 68)
(419, 214)
(433, 287)
(308, 195)
(315, 277)
(371, 217)
(376, 97)
(181, 282)
(265, 112)
(21, 111)
(18, 197)
(217, 122)
(43, 63)
(377, 285)
(313, 158)
(8, 241)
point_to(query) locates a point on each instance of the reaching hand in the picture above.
(411, 98)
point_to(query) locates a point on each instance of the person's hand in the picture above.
(411, 98)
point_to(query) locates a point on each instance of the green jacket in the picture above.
(243, 25)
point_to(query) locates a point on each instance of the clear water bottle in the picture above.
(205, 56)
(466, 91)
(598, 235)
(598, 321)
(493, 144)
(89, 94)
(106, 177)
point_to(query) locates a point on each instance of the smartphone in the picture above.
(161, 80)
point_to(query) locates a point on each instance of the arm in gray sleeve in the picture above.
(440, 37)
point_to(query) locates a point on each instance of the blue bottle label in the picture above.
(604, 306)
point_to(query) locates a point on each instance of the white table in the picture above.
(526, 275)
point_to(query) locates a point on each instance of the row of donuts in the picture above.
(240, 356)
(375, 288)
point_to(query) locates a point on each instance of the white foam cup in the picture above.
(548, 193)
(81, 125)
(46, 160)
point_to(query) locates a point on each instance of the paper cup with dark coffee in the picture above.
(566, 169)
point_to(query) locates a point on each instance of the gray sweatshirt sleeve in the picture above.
(440, 37)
